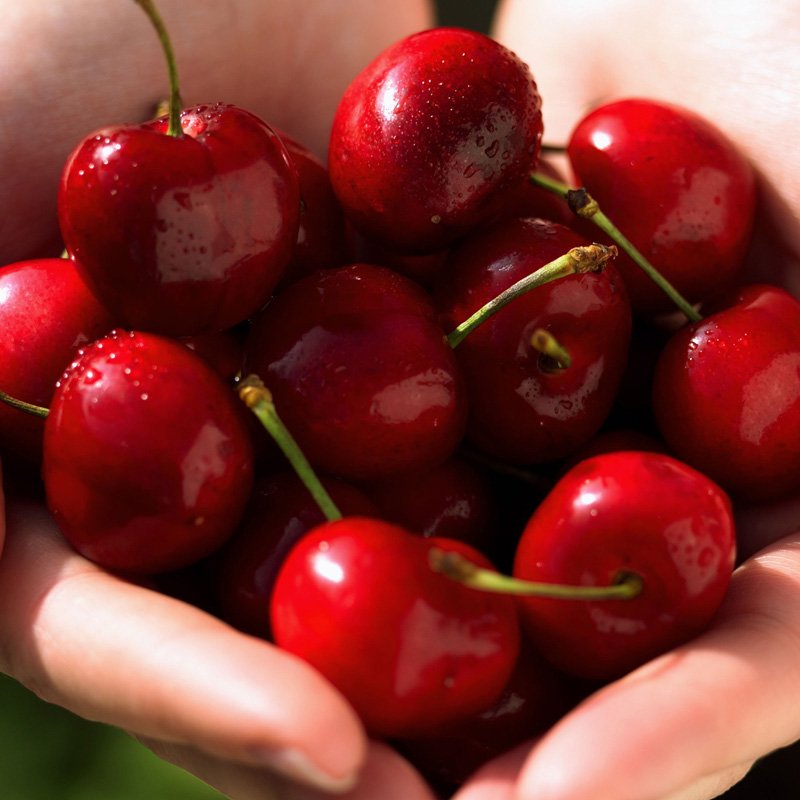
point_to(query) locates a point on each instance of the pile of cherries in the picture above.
(590, 434)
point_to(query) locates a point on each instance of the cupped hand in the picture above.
(691, 723)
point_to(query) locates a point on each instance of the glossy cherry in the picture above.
(428, 137)
(453, 499)
(627, 512)
(676, 186)
(147, 463)
(408, 647)
(360, 372)
(46, 313)
(182, 234)
(726, 393)
(281, 510)
(524, 408)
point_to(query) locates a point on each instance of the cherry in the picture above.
(46, 313)
(280, 512)
(185, 224)
(726, 393)
(409, 648)
(321, 237)
(625, 513)
(454, 500)
(428, 138)
(147, 464)
(524, 406)
(677, 187)
(360, 372)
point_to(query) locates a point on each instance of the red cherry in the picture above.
(321, 237)
(360, 372)
(147, 464)
(626, 512)
(677, 188)
(280, 512)
(182, 234)
(454, 500)
(46, 313)
(726, 393)
(523, 407)
(428, 138)
(409, 648)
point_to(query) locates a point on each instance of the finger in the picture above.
(385, 775)
(127, 656)
(722, 701)
(711, 786)
(497, 779)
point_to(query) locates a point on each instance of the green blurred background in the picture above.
(48, 754)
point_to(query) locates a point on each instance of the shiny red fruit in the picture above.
(428, 138)
(726, 393)
(676, 186)
(46, 313)
(626, 512)
(182, 234)
(523, 407)
(360, 372)
(147, 463)
(408, 647)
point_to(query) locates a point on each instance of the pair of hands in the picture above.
(246, 717)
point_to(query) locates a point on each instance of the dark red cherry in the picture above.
(147, 463)
(535, 697)
(408, 647)
(182, 234)
(676, 186)
(428, 138)
(360, 372)
(524, 407)
(280, 512)
(615, 514)
(322, 234)
(453, 500)
(46, 313)
(726, 393)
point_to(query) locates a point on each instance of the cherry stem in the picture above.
(174, 126)
(584, 205)
(21, 405)
(545, 343)
(590, 258)
(549, 147)
(259, 400)
(626, 586)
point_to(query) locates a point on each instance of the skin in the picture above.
(685, 726)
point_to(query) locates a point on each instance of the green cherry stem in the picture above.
(545, 343)
(584, 205)
(21, 405)
(149, 8)
(455, 566)
(259, 400)
(591, 258)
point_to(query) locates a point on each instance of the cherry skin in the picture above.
(524, 408)
(626, 512)
(676, 186)
(453, 500)
(428, 138)
(182, 234)
(46, 313)
(147, 464)
(281, 510)
(408, 647)
(360, 372)
(726, 393)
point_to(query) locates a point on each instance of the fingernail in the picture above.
(298, 766)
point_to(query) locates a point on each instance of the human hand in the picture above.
(242, 715)
(691, 723)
